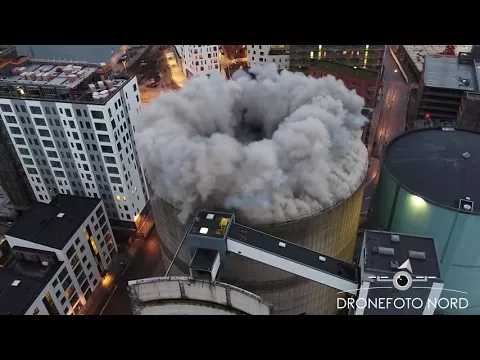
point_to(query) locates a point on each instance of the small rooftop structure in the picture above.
(211, 224)
(43, 225)
(449, 73)
(418, 52)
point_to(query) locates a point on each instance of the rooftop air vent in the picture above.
(210, 216)
(446, 128)
(394, 264)
(464, 82)
(395, 238)
(375, 250)
(45, 263)
(61, 215)
(386, 251)
(466, 155)
(466, 204)
(416, 255)
(15, 283)
(203, 231)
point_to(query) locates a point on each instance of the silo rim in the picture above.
(428, 199)
(284, 221)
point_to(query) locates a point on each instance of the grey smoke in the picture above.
(275, 146)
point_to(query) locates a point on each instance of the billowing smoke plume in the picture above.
(270, 146)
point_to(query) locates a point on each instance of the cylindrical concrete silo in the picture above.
(427, 177)
(331, 231)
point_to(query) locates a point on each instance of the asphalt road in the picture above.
(388, 121)
(147, 263)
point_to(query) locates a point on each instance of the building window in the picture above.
(19, 141)
(39, 121)
(6, 108)
(35, 110)
(10, 119)
(97, 114)
(49, 304)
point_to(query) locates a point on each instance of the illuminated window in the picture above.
(94, 246)
(119, 198)
(36, 311)
(344, 52)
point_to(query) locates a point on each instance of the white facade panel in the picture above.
(259, 55)
(199, 59)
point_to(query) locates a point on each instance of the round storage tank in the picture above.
(429, 187)
(283, 150)
(331, 231)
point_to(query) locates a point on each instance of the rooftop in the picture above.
(402, 246)
(448, 73)
(418, 52)
(440, 166)
(42, 225)
(93, 53)
(57, 80)
(293, 252)
(337, 68)
(21, 282)
(208, 224)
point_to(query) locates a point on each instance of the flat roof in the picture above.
(206, 223)
(358, 71)
(76, 90)
(378, 262)
(292, 252)
(418, 52)
(41, 224)
(31, 278)
(59, 77)
(429, 163)
(447, 73)
(92, 53)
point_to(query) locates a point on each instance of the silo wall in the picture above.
(332, 232)
(456, 234)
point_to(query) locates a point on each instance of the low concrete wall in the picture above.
(187, 296)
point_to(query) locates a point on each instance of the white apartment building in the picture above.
(198, 59)
(73, 128)
(59, 251)
(266, 54)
